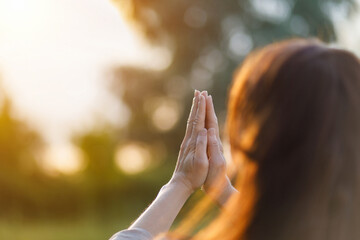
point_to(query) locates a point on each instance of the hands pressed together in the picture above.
(201, 161)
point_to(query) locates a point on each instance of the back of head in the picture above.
(294, 128)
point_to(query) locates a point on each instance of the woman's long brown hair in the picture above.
(294, 130)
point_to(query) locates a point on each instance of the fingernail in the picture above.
(196, 93)
(203, 132)
(200, 97)
(206, 92)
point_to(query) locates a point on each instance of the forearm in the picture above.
(160, 215)
(190, 174)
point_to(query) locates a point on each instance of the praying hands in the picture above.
(200, 163)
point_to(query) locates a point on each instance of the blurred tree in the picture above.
(99, 149)
(19, 144)
(207, 40)
(19, 151)
(25, 188)
(107, 191)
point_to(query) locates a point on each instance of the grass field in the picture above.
(83, 229)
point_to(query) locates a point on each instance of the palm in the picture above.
(192, 165)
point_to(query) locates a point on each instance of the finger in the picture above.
(204, 93)
(200, 150)
(199, 120)
(211, 119)
(216, 158)
(192, 116)
(189, 125)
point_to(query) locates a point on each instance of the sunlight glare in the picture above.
(55, 59)
(166, 114)
(133, 158)
(66, 159)
(23, 16)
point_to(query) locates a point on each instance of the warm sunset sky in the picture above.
(55, 57)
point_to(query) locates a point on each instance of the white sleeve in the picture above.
(132, 234)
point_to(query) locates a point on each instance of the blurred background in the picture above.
(94, 96)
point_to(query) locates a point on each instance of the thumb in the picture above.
(201, 146)
(216, 158)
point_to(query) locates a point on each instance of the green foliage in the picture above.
(99, 149)
(208, 39)
(19, 146)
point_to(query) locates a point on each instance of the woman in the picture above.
(294, 130)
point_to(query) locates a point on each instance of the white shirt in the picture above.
(132, 234)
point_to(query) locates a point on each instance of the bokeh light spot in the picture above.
(132, 158)
(298, 25)
(240, 44)
(272, 10)
(65, 159)
(165, 115)
(195, 17)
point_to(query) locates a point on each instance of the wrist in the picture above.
(180, 184)
(220, 191)
(228, 191)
